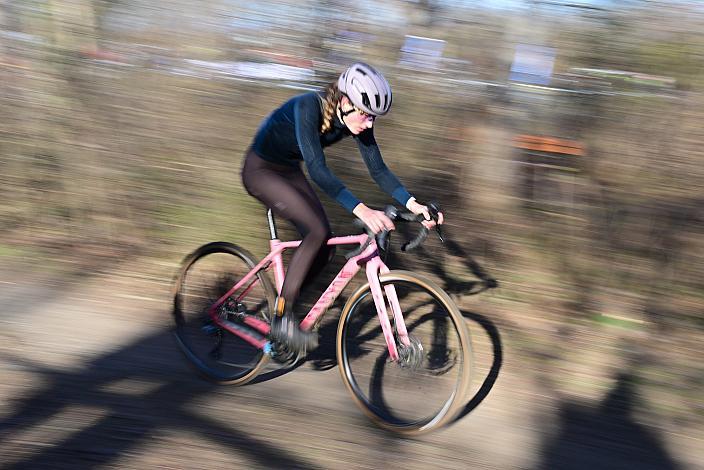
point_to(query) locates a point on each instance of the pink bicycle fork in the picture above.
(256, 330)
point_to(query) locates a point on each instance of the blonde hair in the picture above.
(330, 102)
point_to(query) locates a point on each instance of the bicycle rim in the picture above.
(425, 389)
(206, 275)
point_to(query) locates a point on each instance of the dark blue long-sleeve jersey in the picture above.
(292, 133)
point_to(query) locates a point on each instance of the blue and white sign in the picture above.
(422, 53)
(532, 64)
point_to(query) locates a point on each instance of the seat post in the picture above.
(272, 224)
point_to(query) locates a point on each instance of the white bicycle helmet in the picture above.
(366, 88)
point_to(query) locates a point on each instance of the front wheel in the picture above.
(206, 275)
(427, 385)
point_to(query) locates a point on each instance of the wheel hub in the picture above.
(410, 356)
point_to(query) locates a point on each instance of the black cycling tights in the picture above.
(286, 191)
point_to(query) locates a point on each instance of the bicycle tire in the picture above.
(359, 336)
(221, 264)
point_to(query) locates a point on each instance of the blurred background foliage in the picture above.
(124, 124)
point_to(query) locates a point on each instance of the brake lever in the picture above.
(434, 209)
(438, 231)
(356, 251)
(383, 238)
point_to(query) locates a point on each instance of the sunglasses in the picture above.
(364, 114)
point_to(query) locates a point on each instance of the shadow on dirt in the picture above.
(130, 418)
(606, 436)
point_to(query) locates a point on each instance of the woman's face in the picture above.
(356, 121)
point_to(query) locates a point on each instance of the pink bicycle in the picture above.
(402, 346)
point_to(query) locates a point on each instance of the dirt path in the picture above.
(90, 377)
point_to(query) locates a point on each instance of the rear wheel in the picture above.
(205, 276)
(428, 384)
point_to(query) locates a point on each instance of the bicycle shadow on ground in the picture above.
(497, 362)
(324, 357)
(117, 404)
(458, 288)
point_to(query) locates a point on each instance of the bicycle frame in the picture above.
(274, 260)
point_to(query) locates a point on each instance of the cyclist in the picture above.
(298, 131)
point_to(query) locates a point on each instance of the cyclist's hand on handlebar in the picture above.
(420, 209)
(377, 221)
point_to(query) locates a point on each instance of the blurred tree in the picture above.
(422, 13)
(73, 24)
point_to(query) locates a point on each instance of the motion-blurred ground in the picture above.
(123, 127)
